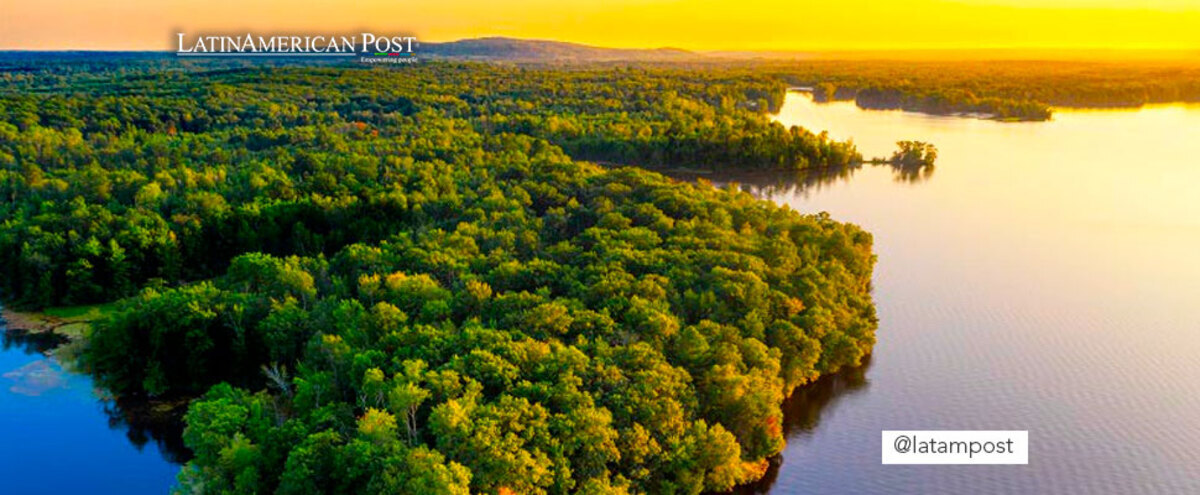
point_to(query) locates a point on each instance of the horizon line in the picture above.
(1049, 49)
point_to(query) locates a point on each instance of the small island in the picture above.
(913, 154)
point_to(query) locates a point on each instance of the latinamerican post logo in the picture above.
(367, 47)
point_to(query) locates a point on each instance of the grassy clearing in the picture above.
(80, 313)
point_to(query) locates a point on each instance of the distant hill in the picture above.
(497, 48)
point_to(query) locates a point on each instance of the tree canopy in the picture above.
(408, 281)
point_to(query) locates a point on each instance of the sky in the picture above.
(701, 25)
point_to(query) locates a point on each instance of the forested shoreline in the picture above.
(1002, 90)
(405, 281)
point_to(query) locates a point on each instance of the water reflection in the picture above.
(51, 416)
(911, 173)
(802, 183)
(142, 421)
(145, 422)
(29, 342)
(802, 413)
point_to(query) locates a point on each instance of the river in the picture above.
(60, 435)
(1043, 277)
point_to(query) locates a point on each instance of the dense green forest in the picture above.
(131, 170)
(408, 281)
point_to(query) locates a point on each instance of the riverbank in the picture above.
(69, 321)
(63, 433)
(59, 334)
(61, 329)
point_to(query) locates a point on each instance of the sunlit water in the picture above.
(57, 436)
(1044, 277)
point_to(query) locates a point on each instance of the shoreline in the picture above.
(71, 322)
(59, 333)
(28, 321)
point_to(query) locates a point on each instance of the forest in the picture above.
(418, 280)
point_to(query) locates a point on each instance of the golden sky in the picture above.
(690, 24)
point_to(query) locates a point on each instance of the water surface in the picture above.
(1043, 277)
(60, 436)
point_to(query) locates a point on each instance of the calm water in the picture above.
(59, 437)
(1044, 277)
